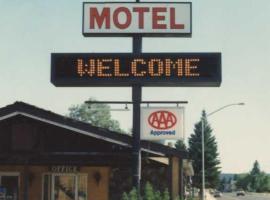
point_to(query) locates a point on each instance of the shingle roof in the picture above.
(27, 110)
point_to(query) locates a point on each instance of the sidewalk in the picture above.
(208, 196)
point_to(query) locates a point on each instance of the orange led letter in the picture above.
(117, 66)
(134, 67)
(101, 68)
(178, 65)
(151, 66)
(191, 64)
(83, 69)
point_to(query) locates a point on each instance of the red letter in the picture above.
(116, 18)
(141, 11)
(172, 20)
(105, 16)
(156, 18)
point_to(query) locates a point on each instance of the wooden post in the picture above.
(174, 174)
(26, 183)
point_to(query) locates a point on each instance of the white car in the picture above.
(240, 193)
(217, 194)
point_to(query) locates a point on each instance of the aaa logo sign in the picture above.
(162, 119)
(162, 123)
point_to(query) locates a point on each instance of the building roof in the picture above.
(30, 111)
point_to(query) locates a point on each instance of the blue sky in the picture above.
(31, 30)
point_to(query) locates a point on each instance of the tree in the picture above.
(255, 181)
(256, 169)
(242, 181)
(255, 176)
(99, 115)
(259, 181)
(212, 162)
(96, 114)
(180, 145)
(222, 184)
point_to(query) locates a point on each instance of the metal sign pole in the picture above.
(136, 146)
(136, 99)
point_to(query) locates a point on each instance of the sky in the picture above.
(31, 30)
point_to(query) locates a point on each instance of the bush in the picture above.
(132, 195)
(125, 196)
(166, 195)
(149, 194)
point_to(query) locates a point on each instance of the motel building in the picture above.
(46, 156)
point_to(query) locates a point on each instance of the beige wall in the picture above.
(96, 191)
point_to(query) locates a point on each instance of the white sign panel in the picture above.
(162, 123)
(127, 19)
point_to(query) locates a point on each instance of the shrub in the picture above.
(149, 194)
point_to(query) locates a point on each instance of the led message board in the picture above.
(144, 18)
(127, 69)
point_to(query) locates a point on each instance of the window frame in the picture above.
(12, 174)
(53, 174)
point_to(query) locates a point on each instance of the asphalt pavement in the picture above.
(251, 196)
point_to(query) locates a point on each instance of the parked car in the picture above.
(240, 193)
(217, 194)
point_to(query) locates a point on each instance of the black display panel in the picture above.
(127, 69)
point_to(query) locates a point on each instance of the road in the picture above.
(232, 196)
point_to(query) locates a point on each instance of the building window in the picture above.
(65, 187)
(9, 186)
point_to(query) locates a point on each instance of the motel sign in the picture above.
(136, 18)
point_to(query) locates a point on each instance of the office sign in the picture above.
(126, 19)
(162, 123)
(64, 169)
(127, 69)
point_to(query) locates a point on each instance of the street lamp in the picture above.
(203, 158)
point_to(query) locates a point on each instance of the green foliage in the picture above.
(255, 177)
(255, 181)
(256, 169)
(180, 145)
(242, 181)
(158, 195)
(149, 194)
(222, 184)
(125, 196)
(166, 195)
(121, 178)
(133, 195)
(212, 169)
(96, 114)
